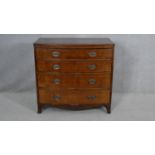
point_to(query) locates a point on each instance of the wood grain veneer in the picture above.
(74, 73)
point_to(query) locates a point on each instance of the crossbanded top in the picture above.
(74, 42)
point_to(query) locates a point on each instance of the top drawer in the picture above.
(50, 54)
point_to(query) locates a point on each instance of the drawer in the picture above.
(94, 66)
(56, 97)
(93, 97)
(50, 54)
(95, 81)
(55, 81)
(74, 97)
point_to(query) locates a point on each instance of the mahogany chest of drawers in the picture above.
(74, 73)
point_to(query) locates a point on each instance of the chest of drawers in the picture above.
(74, 73)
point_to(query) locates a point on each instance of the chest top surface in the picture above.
(74, 43)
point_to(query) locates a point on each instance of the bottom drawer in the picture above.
(74, 97)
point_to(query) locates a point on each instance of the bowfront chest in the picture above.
(74, 73)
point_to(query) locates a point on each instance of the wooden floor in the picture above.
(125, 107)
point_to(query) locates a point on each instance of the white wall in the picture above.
(134, 62)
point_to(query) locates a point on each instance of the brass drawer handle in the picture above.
(92, 81)
(56, 67)
(92, 66)
(56, 97)
(92, 54)
(56, 54)
(56, 81)
(92, 97)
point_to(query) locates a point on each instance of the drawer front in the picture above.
(56, 97)
(74, 97)
(94, 66)
(95, 81)
(93, 97)
(55, 81)
(50, 54)
(56, 66)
